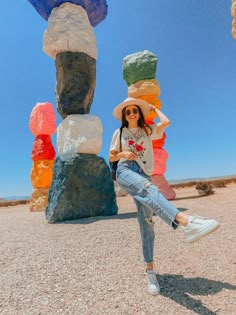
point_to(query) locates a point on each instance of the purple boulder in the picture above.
(96, 9)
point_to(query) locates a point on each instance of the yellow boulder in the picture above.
(144, 87)
(39, 200)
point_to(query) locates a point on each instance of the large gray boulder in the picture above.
(76, 80)
(81, 188)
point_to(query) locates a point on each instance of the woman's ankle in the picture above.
(182, 219)
(149, 266)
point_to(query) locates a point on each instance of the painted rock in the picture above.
(151, 99)
(42, 119)
(76, 79)
(39, 199)
(96, 9)
(139, 66)
(164, 187)
(160, 158)
(160, 142)
(233, 8)
(81, 188)
(144, 87)
(43, 148)
(69, 30)
(41, 173)
(234, 33)
(79, 134)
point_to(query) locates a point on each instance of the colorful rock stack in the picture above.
(158, 177)
(82, 184)
(139, 72)
(43, 125)
(233, 13)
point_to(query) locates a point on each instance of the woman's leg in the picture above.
(148, 236)
(143, 191)
(147, 232)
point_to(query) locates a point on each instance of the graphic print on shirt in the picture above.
(135, 147)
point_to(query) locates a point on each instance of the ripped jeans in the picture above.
(148, 200)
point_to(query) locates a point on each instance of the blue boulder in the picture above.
(96, 9)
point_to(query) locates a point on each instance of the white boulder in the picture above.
(69, 29)
(79, 134)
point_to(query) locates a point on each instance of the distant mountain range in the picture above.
(171, 182)
(201, 179)
(15, 198)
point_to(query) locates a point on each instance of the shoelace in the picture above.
(195, 217)
(152, 278)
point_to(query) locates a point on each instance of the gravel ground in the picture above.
(94, 266)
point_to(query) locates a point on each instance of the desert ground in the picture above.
(94, 265)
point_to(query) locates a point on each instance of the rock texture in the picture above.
(41, 173)
(39, 200)
(160, 158)
(144, 87)
(164, 187)
(42, 148)
(76, 79)
(69, 30)
(43, 119)
(79, 134)
(81, 187)
(233, 13)
(96, 9)
(139, 66)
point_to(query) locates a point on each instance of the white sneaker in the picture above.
(199, 227)
(153, 285)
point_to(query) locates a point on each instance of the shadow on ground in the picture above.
(120, 216)
(180, 290)
(189, 197)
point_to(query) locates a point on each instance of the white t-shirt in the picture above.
(136, 141)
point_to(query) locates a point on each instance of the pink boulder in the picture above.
(163, 186)
(42, 119)
(160, 158)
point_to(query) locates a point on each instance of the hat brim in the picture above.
(144, 106)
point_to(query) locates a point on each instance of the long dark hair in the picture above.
(141, 121)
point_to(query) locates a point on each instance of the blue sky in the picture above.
(196, 72)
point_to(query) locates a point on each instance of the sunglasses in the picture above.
(129, 111)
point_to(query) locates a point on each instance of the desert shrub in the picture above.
(219, 184)
(205, 189)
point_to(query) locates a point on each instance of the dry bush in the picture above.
(205, 189)
(219, 184)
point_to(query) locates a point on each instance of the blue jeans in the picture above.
(148, 200)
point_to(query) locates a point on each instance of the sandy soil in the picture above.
(94, 266)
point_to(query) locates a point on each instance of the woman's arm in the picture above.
(116, 156)
(164, 121)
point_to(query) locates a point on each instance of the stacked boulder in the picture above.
(160, 160)
(139, 72)
(42, 125)
(233, 13)
(82, 184)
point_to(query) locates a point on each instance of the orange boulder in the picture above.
(41, 173)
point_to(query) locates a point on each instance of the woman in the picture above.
(133, 175)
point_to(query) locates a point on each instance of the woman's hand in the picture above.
(152, 108)
(128, 155)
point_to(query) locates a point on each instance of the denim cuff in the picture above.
(175, 224)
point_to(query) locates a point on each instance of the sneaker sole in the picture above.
(203, 233)
(154, 293)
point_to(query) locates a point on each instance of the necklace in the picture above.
(136, 134)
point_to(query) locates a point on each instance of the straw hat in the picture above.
(145, 107)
